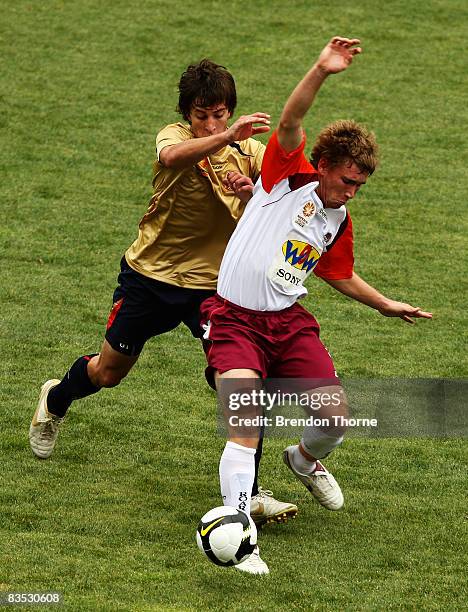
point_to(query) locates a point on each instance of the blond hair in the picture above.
(347, 140)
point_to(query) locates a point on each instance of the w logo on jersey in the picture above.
(300, 254)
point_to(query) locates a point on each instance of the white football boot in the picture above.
(264, 509)
(44, 426)
(320, 483)
(253, 565)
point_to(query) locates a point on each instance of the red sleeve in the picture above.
(338, 262)
(278, 164)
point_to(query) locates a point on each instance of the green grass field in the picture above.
(109, 520)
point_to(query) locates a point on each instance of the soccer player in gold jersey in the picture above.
(173, 264)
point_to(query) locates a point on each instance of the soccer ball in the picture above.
(226, 535)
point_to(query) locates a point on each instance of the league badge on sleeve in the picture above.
(307, 212)
(309, 209)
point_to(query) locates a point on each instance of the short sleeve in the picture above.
(171, 135)
(338, 261)
(278, 164)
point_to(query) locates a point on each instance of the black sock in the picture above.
(75, 385)
(258, 456)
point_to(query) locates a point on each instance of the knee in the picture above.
(109, 378)
(333, 411)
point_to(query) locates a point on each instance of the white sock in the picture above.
(236, 475)
(300, 463)
(319, 443)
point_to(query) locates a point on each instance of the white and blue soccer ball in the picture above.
(226, 535)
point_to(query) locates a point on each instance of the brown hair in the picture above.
(206, 84)
(347, 140)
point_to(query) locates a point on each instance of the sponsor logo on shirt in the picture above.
(289, 277)
(291, 266)
(323, 214)
(300, 255)
(204, 167)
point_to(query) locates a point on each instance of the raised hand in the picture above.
(245, 126)
(338, 54)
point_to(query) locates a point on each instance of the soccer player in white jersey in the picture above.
(296, 222)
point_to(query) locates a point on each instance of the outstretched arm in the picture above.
(356, 288)
(190, 152)
(334, 58)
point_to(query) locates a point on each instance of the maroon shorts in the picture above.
(278, 344)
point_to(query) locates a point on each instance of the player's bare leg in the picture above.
(109, 367)
(86, 376)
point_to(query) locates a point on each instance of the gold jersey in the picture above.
(191, 216)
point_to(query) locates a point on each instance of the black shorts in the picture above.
(144, 307)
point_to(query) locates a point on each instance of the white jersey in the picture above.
(282, 235)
